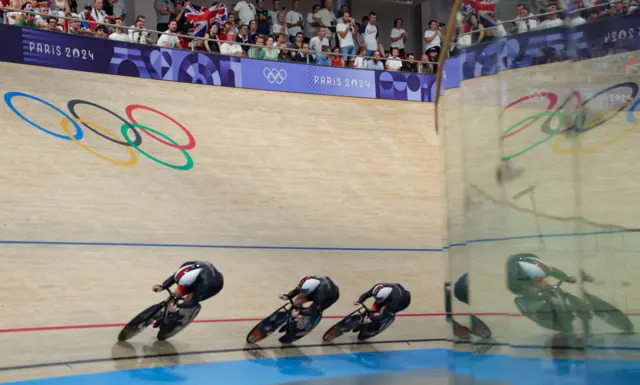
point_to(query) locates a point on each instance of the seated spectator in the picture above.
(336, 58)
(394, 63)
(169, 39)
(118, 34)
(303, 55)
(74, 26)
(575, 19)
(552, 20)
(211, 42)
(226, 28)
(324, 59)
(88, 20)
(42, 18)
(619, 8)
(280, 27)
(526, 24)
(375, 63)
(285, 55)
(28, 20)
(101, 32)
(317, 42)
(230, 47)
(141, 35)
(257, 52)
(360, 61)
(52, 25)
(15, 16)
(269, 52)
(410, 65)
(244, 38)
(281, 38)
(299, 40)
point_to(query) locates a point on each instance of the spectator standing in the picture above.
(394, 63)
(398, 36)
(13, 17)
(312, 24)
(344, 30)
(317, 42)
(141, 37)
(169, 39)
(375, 63)
(324, 59)
(211, 42)
(295, 21)
(230, 47)
(116, 8)
(164, 9)
(183, 24)
(118, 34)
(302, 56)
(327, 18)
(477, 29)
(98, 13)
(285, 54)
(370, 34)
(276, 8)
(432, 36)
(246, 11)
(264, 19)
(257, 52)
(523, 23)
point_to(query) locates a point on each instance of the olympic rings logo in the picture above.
(578, 118)
(274, 75)
(131, 124)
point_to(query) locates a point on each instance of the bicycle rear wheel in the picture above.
(139, 322)
(267, 326)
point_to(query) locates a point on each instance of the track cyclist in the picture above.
(389, 299)
(321, 291)
(196, 282)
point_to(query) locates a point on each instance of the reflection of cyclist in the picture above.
(526, 274)
(322, 291)
(197, 281)
(390, 298)
(460, 291)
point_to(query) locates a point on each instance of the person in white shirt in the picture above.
(246, 11)
(119, 34)
(280, 26)
(141, 37)
(398, 36)
(169, 39)
(432, 36)
(294, 20)
(371, 35)
(344, 30)
(311, 26)
(576, 20)
(42, 17)
(394, 63)
(98, 11)
(552, 20)
(230, 47)
(327, 18)
(316, 42)
(360, 61)
(277, 8)
(525, 25)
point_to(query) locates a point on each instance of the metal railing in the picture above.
(193, 39)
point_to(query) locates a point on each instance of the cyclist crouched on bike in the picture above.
(390, 298)
(322, 291)
(197, 281)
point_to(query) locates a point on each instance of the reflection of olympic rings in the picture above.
(577, 119)
(134, 140)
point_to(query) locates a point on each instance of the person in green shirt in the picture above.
(28, 21)
(257, 52)
(269, 52)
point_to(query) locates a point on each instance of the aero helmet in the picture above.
(187, 274)
(533, 270)
(308, 284)
(381, 292)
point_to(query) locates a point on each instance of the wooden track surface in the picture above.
(271, 171)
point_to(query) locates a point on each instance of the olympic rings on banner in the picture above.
(132, 155)
(192, 141)
(187, 165)
(578, 127)
(127, 126)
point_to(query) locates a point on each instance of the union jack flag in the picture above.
(202, 17)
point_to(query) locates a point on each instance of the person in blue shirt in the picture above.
(324, 59)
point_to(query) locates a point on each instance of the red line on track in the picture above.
(235, 320)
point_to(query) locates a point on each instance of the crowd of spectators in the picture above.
(288, 33)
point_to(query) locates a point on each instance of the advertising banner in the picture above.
(11, 50)
(599, 38)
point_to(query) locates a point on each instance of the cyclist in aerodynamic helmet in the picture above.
(196, 281)
(322, 291)
(526, 274)
(390, 298)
